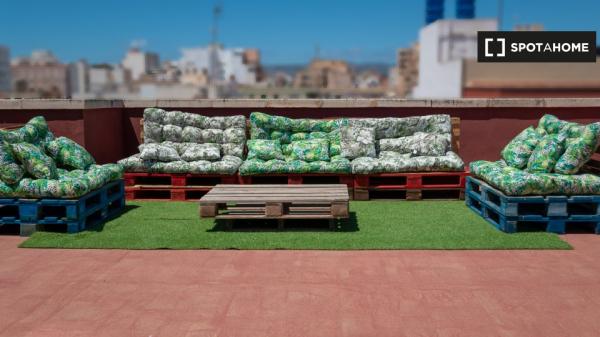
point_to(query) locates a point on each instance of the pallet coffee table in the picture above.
(280, 202)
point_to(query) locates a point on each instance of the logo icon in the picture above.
(500, 40)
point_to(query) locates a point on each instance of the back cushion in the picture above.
(392, 127)
(287, 130)
(182, 127)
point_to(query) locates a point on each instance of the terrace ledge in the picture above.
(78, 104)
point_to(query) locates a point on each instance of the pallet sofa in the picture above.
(413, 157)
(417, 153)
(547, 175)
(49, 182)
(183, 155)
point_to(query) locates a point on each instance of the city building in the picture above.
(230, 64)
(109, 81)
(5, 82)
(405, 75)
(448, 67)
(140, 63)
(369, 79)
(78, 78)
(531, 79)
(40, 75)
(325, 74)
(444, 45)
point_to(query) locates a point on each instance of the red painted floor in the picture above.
(300, 293)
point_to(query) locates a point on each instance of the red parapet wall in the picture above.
(110, 130)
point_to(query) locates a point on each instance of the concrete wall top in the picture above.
(77, 104)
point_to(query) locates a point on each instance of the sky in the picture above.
(285, 31)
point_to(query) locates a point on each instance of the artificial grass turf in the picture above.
(372, 225)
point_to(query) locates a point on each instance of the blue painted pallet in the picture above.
(491, 212)
(577, 207)
(76, 214)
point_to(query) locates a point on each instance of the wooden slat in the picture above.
(285, 216)
(277, 202)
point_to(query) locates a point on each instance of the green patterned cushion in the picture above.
(264, 149)
(578, 150)
(517, 152)
(68, 153)
(35, 132)
(310, 150)
(35, 161)
(546, 154)
(10, 171)
(358, 142)
(513, 181)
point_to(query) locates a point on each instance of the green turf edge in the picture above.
(382, 225)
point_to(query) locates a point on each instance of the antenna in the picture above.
(213, 56)
(217, 9)
(317, 51)
(500, 13)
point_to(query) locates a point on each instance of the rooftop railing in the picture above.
(110, 129)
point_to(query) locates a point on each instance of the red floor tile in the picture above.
(300, 293)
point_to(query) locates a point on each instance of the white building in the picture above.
(444, 44)
(140, 63)
(5, 70)
(78, 78)
(231, 64)
(106, 79)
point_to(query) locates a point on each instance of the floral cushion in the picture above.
(391, 162)
(513, 181)
(418, 144)
(580, 146)
(190, 143)
(35, 132)
(159, 152)
(337, 164)
(264, 149)
(194, 152)
(227, 165)
(310, 150)
(10, 171)
(35, 161)
(546, 154)
(287, 130)
(517, 152)
(68, 153)
(358, 142)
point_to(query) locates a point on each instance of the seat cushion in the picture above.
(395, 163)
(256, 166)
(513, 181)
(227, 165)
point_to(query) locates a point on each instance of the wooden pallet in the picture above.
(73, 214)
(411, 186)
(280, 202)
(552, 213)
(165, 193)
(172, 187)
(178, 179)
